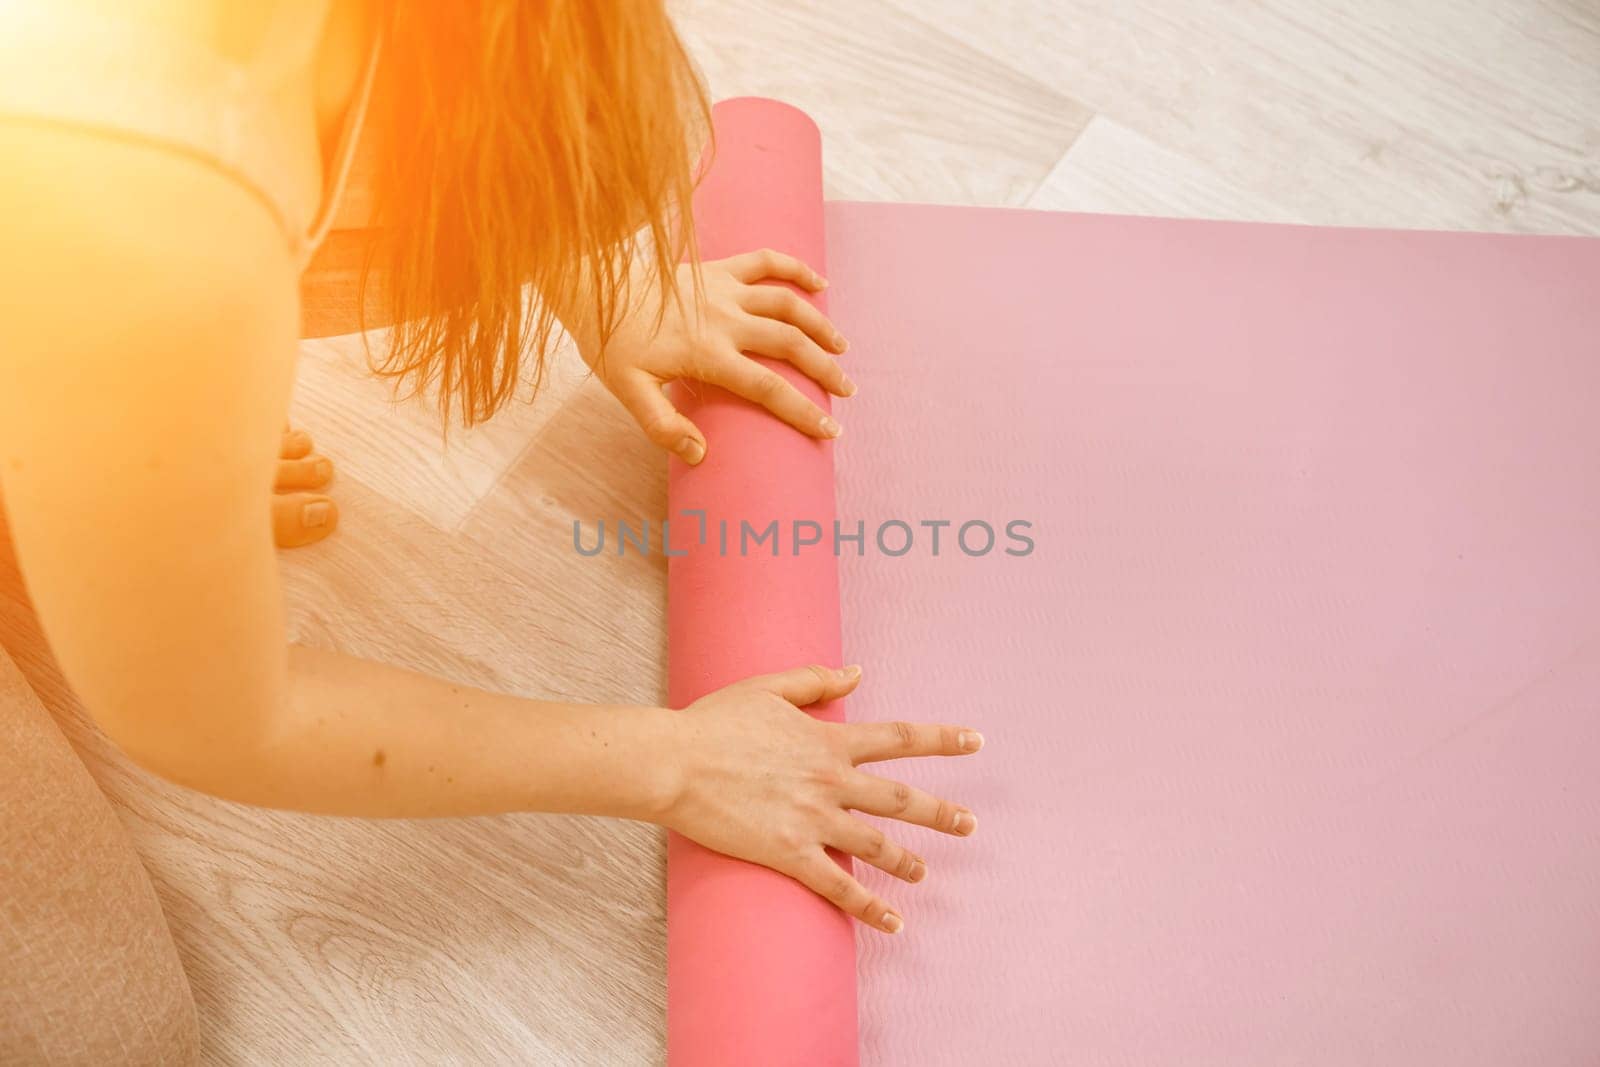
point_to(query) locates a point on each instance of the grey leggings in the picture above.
(90, 974)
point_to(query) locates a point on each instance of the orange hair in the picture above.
(540, 143)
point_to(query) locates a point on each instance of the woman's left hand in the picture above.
(741, 314)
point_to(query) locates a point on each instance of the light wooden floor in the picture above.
(540, 940)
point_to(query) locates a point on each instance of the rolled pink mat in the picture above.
(1289, 693)
(759, 968)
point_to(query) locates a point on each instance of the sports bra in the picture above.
(64, 63)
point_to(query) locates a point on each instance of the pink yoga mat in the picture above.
(759, 968)
(1293, 708)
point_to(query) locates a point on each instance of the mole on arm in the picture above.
(378, 758)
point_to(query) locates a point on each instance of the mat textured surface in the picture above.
(1291, 702)
(1293, 713)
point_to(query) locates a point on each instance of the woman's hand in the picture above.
(741, 314)
(299, 515)
(764, 781)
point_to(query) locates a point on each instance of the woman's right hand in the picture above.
(766, 782)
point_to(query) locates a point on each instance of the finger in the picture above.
(313, 472)
(743, 376)
(779, 340)
(896, 800)
(295, 444)
(302, 518)
(661, 422)
(835, 884)
(873, 741)
(768, 263)
(785, 305)
(815, 684)
(867, 842)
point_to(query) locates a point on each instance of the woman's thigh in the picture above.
(90, 974)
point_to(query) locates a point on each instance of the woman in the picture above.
(168, 170)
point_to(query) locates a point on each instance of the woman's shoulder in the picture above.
(264, 31)
(235, 86)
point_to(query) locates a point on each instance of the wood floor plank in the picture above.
(397, 446)
(1374, 112)
(1112, 169)
(907, 111)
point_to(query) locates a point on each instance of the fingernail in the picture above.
(852, 672)
(316, 514)
(966, 823)
(839, 343)
(892, 922)
(830, 428)
(819, 281)
(324, 469)
(691, 450)
(969, 740)
(919, 871)
(847, 388)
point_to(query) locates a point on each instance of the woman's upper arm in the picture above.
(148, 317)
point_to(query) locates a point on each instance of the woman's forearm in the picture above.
(369, 739)
(140, 511)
